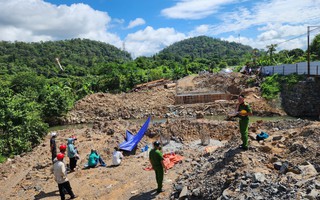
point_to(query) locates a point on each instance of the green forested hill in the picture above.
(75, 53)
(204, 47)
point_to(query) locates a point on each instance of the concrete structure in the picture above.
(201, 98)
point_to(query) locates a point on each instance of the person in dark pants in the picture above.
(94, 159)
(53, 146)
(60, 174)
(72, 154)
(156, 160)
(244, 111)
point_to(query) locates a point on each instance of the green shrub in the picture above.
(272, 85)
(2, 159)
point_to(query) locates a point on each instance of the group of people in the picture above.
(60, 169)
(156, 159)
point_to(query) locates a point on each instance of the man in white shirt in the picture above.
(116, 157)
(60, 174)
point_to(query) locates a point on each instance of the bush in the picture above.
(2, 159)
(272, 85)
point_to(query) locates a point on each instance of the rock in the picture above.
(252, 136)
(277, 137)
(37, 188)
(312, 195)
(298, 147)
(254, 185)
(134, 192)
(199, 114)
(243, 184)
(184, 192)
(277, 165)
(178, 187)
(226, 194)
(308, 170)
(196, 192)
(317, 185)
(110, 131)
(294, 170)
(265, 149)
(259, 177)
(284, 167)
(282, 188)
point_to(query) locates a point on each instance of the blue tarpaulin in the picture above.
(133, 140)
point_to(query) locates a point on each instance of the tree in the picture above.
(57, 100)
(24, 80)
(296, 53)
(21, 125)
(315, 47)
(271, 48)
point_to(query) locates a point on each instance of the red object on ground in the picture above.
(169, 161)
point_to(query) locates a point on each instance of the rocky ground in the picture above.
(284, 166)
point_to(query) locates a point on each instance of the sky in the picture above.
(145, 27)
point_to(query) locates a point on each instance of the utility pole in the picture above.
(308, 51)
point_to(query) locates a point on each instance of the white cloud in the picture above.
(194, 9)
(202, 29)
(262, 44)
(275, 21)
(36, 20)
(149, 41)
(136, 22)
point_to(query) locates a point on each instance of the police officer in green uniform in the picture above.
(156, 160)
(244, 111)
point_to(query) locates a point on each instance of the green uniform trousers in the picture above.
(244, 124)
(159, 177)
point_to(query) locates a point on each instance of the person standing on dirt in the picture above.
(60, 174)
(72, 154)
(53, 146)
(244, 111)
(63, 148)
(156, 160)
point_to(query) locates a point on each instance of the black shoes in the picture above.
(243, 148)
(159, 191)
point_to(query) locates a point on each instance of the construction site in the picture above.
(190, 117)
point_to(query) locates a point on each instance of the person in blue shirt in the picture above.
(72, 154)
(94, 159)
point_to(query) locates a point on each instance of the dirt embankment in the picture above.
(160, 102)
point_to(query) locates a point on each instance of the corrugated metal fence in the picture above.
(299, 68)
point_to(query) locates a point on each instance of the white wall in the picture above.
(299, 68)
